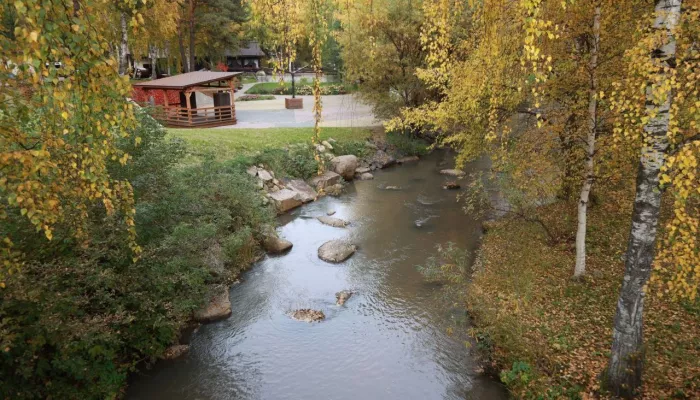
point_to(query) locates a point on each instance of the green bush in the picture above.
(408, 145)
(79, 317)
(356, 147)
(255, 97)
(295, 161)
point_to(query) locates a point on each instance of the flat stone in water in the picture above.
(308, 315)
(175, 351)
(336, 251)
(453, 172)
(343, 296)
(334, 222)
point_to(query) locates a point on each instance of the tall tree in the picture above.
(668, 135)
(592, 132)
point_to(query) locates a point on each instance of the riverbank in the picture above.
(386, 341)
(549, 336)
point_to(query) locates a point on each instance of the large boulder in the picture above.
(453, 172)
(329, 178)
(306, 193)
(332, 221)
(265, 175)
(345, 166)
(336, 251)
(218, 307)
(273, 244)
(308, 315)
(381, 159)
(285, 200)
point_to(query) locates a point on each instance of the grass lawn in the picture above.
(229, 143)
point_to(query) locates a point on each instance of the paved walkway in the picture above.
(338, 111)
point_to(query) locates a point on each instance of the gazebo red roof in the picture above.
(187, 80)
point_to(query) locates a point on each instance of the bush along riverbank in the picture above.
(547, 336)
(78, 317)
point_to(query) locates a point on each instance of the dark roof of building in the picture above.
(187, 80)
(251, 50)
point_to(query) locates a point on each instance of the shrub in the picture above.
(255, 97)
(356, 147)
(296, 161)
(408, 145)
(79, 316)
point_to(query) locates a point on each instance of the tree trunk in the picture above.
(624, 372)
(191, 44)
(184, 61)
(580, 267)
(124, 46)
(153, 55)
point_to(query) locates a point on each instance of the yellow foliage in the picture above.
(54, 144)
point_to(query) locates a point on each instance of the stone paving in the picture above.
(338, 111)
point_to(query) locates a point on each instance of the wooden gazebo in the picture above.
(176, 103)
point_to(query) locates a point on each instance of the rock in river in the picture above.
(308, 315)
(329, 178)
(285, 200)
(336, 251)
(306, 193)
(276, 245)
(175, 351)
(345, 166)
(366, 177)
(453, 172)
(381, 159)
(451, 186)
(334, 222)
(219, 306)
(343, 296)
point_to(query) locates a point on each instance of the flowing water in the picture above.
(388, 341)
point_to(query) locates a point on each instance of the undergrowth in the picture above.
(548, 336)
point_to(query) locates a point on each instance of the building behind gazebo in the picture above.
(175, 98)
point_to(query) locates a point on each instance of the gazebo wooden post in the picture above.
(189, 109)
(166, 105)
(232, 85)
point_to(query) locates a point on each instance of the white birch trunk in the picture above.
(624, 373)
(592, 130)
(124, 46)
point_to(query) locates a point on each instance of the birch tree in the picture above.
(580, 267)
(654, 66)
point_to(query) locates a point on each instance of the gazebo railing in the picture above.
(195, 117)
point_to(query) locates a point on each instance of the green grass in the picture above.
(248, 78)
(226, 144)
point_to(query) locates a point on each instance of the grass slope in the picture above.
(228, 143)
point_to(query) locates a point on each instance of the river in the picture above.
(388, 341)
